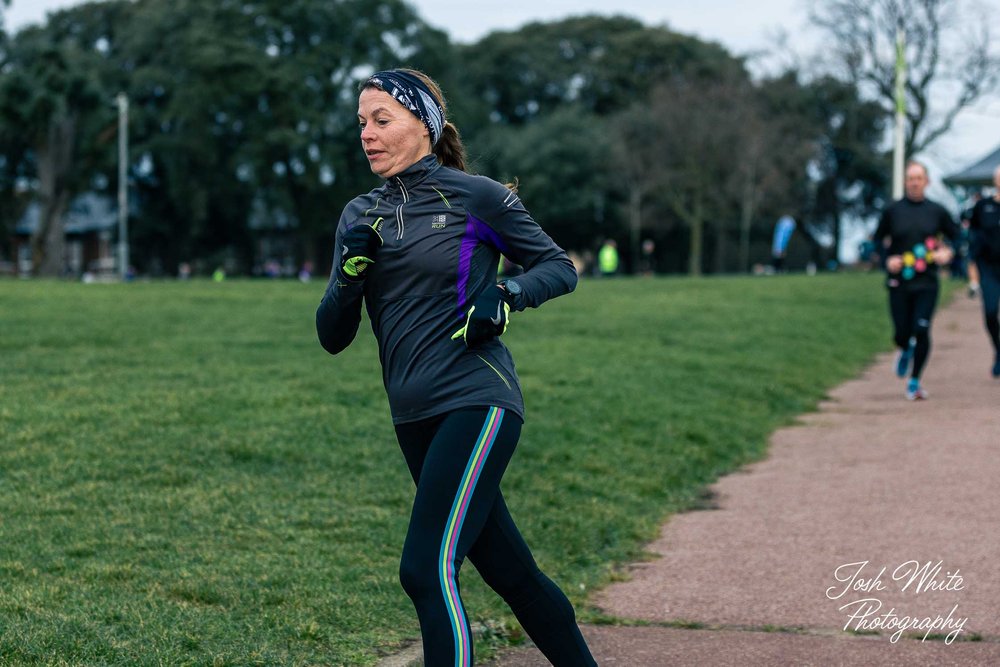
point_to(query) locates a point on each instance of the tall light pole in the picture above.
(123, 260)
(898, 152)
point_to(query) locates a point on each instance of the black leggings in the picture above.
(457, 460)
(989, 280)
(912, 311)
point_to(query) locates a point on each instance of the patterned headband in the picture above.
(413, 94)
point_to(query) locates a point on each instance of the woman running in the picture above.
(422, 252)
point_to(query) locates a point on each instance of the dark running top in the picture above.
(914, 230)
(443, 233)
(985, 223)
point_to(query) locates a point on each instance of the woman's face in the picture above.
(393, 138)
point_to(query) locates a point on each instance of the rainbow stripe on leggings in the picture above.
(453, 529)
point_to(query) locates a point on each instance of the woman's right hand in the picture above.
(894, 263)
(358, 248)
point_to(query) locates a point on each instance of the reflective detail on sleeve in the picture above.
(378, 203)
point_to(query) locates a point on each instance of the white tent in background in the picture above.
(978, 175)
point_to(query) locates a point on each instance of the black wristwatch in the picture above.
(512, 288)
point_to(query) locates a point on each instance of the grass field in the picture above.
(186, 478)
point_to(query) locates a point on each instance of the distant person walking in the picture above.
(984, 224)
(967, 247)
(779, 244)
(422, 252)
(909, 237)
(607, 258)
(648, 249)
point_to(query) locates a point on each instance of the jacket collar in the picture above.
(414, 174)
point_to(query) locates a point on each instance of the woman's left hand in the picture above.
(943, 255)
(487, 318)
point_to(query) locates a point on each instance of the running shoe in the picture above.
(914, 392)
(903, 361)
(973, 291)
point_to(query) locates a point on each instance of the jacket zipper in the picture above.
(400, 225)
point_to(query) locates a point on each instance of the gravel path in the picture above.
(873, 512)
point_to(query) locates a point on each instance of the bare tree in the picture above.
(950, 64)
(634, 159)
(760, 173)
(707, 155)
(678, 151)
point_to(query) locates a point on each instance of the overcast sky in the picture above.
(742, 27)
(727, 21)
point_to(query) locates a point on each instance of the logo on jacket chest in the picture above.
(438, 221)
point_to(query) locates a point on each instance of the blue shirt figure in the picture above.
(782, 235)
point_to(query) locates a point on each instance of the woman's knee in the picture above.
(509, 582)
(418, 576)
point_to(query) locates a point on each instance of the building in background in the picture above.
(90, 225)
(975, 176)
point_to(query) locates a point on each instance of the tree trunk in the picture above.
(815, 247)
(720, 247)
(697, 238)
(635, 224)
(48, 242)
(837, 232)
(746, 220)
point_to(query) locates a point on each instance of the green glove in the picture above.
(358, 247)
(487, 318)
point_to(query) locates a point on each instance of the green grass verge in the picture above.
(186, 478)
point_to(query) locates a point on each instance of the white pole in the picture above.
(123, 259)
(898, 153)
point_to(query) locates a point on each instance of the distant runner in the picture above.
(909, 236)
(985, 224)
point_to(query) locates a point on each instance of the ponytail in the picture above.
(449, 150)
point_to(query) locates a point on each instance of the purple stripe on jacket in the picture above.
(476, 231)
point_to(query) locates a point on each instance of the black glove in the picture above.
(487, 318)
(357, 253)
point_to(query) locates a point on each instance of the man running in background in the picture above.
(909, 236)
(984, 222)
(969, 246)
